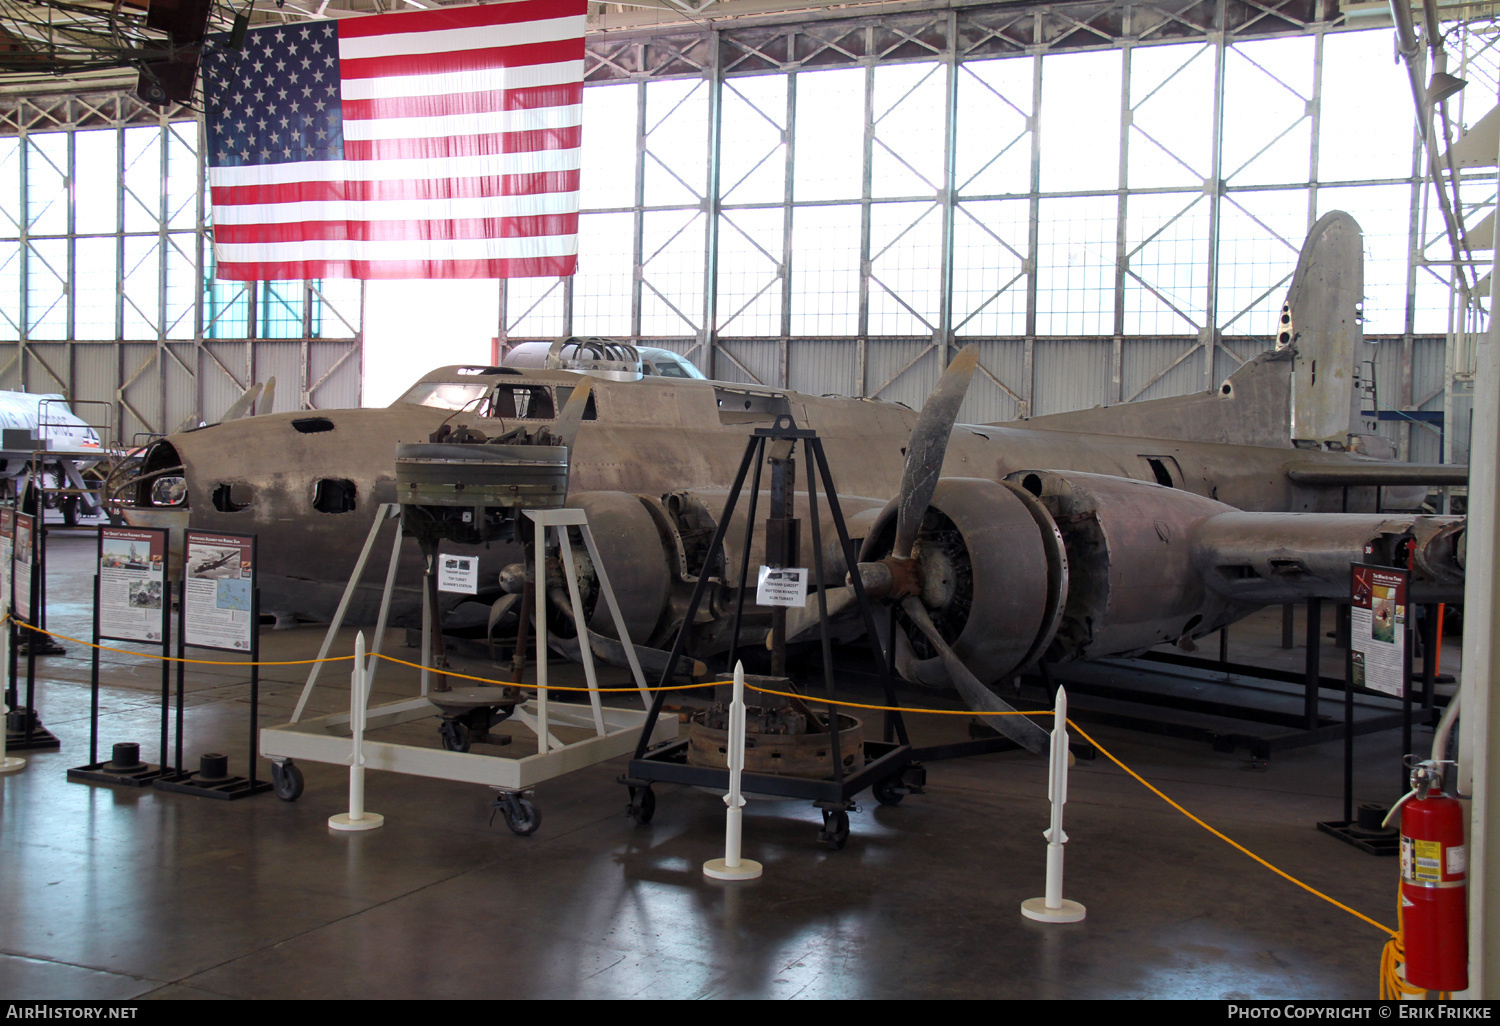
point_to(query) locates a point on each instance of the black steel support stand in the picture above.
(1429, 634)
(1297, 726)
(1314, 663)
(886, 761)
(12, 676)
(42, 643)
(24, 730)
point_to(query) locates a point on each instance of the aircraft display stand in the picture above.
(329, 738)
(1196, 688)
(890, 767)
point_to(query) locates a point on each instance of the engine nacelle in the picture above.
(624, 531)
(1132, 582)
(994, 576)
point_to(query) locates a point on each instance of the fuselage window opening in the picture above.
(168, 491)
(1164, 470)
(333, 495)
(232, 497)
(566, 391)
(523, 402)
(445, 395)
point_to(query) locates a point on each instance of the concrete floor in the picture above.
(122, 893)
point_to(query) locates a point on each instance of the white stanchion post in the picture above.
(8, 763)
(1054, 908)
(731, 866)
(359, 699)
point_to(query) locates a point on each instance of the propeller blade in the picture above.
(267, 401)
(1020, 729)
(571, 417)
(499, 609)
(653, 661)
(802, 622)
(928, 445)
(239, 407)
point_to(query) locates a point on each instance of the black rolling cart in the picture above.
(891, 767)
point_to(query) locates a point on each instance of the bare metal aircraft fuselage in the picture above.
(656, 438)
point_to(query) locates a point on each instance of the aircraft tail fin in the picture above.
(1322, 323)
(1303, 392)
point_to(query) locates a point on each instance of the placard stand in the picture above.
(211, 779)
(23, 727)
(125, 768)
(1364, 829)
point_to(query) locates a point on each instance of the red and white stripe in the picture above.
(461, 154)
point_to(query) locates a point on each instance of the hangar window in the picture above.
(334, 495)
(232, 497)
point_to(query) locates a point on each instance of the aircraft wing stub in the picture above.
(1433, 474)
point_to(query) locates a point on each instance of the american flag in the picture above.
(429, 144)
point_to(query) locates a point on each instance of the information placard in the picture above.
(781, 586)
(132, 582)
(7, 552)
(1377, 628)
(220, 582)
(21, 564)
(458, 574)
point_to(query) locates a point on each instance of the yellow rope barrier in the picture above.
(1392, 952)
(176, 659)
(1232, 843)
(894, 708)
(550, 687)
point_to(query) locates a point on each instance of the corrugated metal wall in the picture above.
(153, 388)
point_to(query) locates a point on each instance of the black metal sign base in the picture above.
(102, 773)
(223, 788)
(21, 738)
(1371, 842)
(45, 646)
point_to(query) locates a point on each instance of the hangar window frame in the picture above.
(1155, 306)
(106, 274)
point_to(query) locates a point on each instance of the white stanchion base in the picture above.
(369, 821)
(11, 764)
(748, 869)
(1036, 908)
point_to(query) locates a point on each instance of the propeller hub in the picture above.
(892, 578)
(938, 575)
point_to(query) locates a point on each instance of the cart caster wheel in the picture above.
(455, 735)
(287, 781)
(888, 791)
(642, 805)
(523, 817)
(835, 832)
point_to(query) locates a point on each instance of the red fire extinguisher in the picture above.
(1434, 868)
